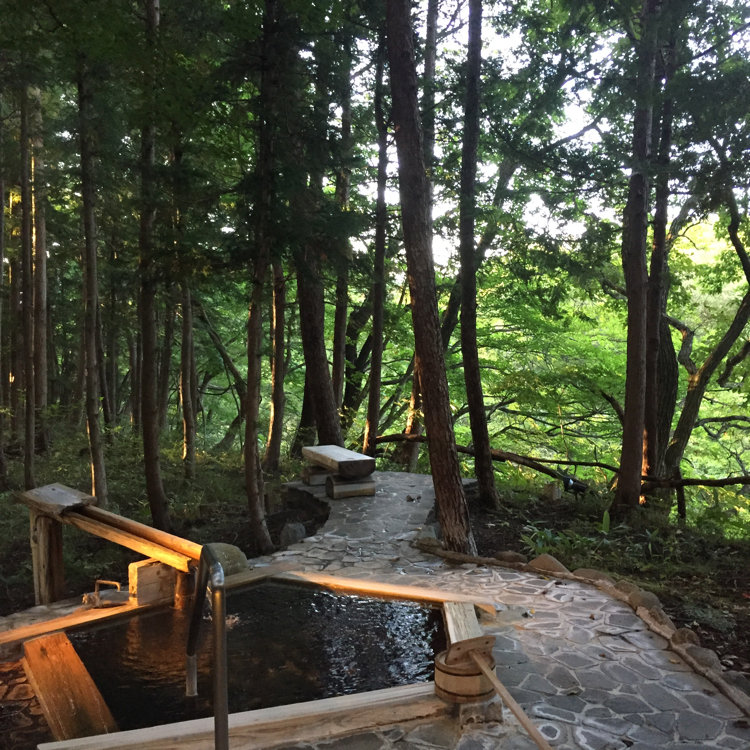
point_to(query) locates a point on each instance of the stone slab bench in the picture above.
(345, 473)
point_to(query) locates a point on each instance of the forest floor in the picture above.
(701, 578)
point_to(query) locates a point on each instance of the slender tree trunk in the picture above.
(40, 267)
(165, 358)
(107, 408)
(3, 349)
(272, 456)
(90, 284)
(635, 224)
(187, 384)
(16, 347)
(378, 288)
(157, 497)
(27, 295)
(135, 359)
(483, 467)
(409, 452)
(263, 200)
(449, 495)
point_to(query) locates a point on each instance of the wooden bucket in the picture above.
(463, 682)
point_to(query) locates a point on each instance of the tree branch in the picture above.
(732, 362)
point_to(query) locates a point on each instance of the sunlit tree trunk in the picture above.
(378, 286)
(187, 384)
(450, 501)
(410, 449)
(483, 466)
(4, 371)
(635, 224)
(27, 294)
(90, 283)
(39, 187)
(272, 456)
(157, 497)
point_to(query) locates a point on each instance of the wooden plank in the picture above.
(130, 540)
(337, 488)
(15, 636)
(71, 702)
(461, 621)
(55, 499)
(47, 565)
(379, 588)
(301, 722)
(348, 464)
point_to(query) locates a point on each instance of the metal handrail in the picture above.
(211, 571)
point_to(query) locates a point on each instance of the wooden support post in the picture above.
(71, 702)
(46, 558)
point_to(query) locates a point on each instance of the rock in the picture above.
(683, 636)
(593, 576)
(291, 533)
(510, 556)
(547, 564)
(645, 599)
(704, 657)
(625, 587)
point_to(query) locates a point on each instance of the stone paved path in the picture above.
(582, 664)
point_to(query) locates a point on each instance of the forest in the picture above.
(470, 237)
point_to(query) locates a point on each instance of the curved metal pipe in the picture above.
(211, 573)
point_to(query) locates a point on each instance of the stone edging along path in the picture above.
(683, 641)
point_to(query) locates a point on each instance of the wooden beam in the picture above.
(162, 538)
(337, 488)
(129, 540)
(54, 499)
(282, 725)
(71, 702)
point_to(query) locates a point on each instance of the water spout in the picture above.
(216, 560)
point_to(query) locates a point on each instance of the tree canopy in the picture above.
(203, 241)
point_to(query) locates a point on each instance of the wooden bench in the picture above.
(344, 472)
(55, 504)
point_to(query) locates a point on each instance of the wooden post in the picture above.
(46, 558)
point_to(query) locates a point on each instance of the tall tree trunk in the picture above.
(312, 327)
(157, 497)
(27, 295)
(16, 347)
(378, 287)
(263, 208)
(483, 467)
(187, 384)
(272, 455)
(107, 408)
(40, 267)
(306, 428)
(90, 284)
(409, 451)
(450, 501)
(165, 358)
(4, 372)
(635, 225)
